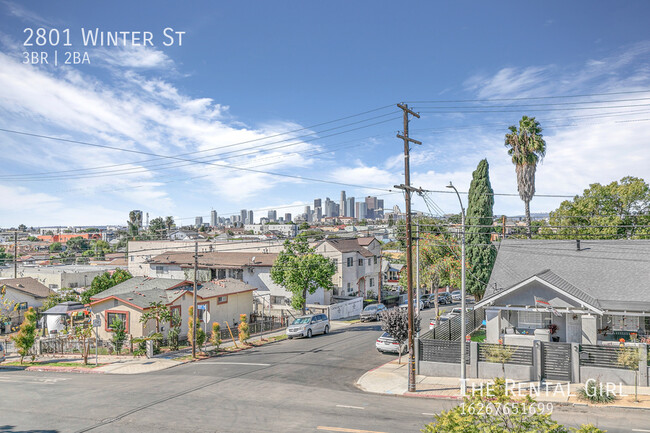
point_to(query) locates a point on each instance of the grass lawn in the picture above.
(479, 335)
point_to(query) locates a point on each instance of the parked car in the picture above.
(456, 295)
(2, 353)
(306, 326)
(443, 318)
(372, 312)
(386, 343)
(415, 303)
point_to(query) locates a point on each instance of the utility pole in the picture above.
(417, 267)
(16, 255)
(194, 314)
(503, 221)
(409, 240)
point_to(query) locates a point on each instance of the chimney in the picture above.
(577, 244)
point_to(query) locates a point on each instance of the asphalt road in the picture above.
(304, 385)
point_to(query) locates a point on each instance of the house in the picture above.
(584, 291)
(224, 299)
(390, 274)
(24, 293)
(57, 316)
(184, 235)
(60, 276)
(358, 265)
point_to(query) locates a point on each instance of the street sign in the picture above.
(206, 316)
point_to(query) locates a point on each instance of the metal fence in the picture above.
(522, 355)
(254, 328)
(441, 351)
(450, 329)
(600, 356)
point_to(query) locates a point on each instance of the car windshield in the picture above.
(301, 320)
(386, 335)
(370, 308)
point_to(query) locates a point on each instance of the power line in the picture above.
(533, 97)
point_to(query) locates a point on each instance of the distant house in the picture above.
(390, 274)
(224, 299)
(184, 235)
(24, 292)
(587, 292)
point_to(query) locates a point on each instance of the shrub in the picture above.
(244, 331)
(595, 392)
(215, 339)
(119, 334)
(174, 332)
(26, 336)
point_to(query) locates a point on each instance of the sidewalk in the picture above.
(392, 379)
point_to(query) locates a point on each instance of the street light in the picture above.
(462, 292)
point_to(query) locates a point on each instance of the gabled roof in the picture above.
(227, 286)
(216, 259)
(365, 241)
(141, 284)
(614, 273)
(348, 246)
(28, 285)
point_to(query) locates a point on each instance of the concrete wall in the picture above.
(350, 308)
(443, 369)
(135, 328)
(615, 375)
(513, 371)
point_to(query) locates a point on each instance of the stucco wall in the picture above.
(135, 327)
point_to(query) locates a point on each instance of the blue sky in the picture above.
(253, 70)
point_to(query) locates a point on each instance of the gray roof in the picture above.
(64, 307)
(226, 286)
(614, 274)
(139, 284)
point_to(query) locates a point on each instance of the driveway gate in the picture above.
(556, 361)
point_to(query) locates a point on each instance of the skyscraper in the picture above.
(318, 213)
(328, 207)
(287, 217)
(242, 214)
(362, 211)
(213, 218)
(273, 215)
(251, 220)
(349, 208)
(379, 212)
(317, 203)
(342, 211)
(198, 222)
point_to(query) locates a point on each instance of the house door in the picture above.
(362, 287)
(573, 329)
(556, 361)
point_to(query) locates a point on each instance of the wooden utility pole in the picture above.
(16, 255)
(409, 240)
(194, 314)
(503, 221)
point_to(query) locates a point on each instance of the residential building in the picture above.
(224, 299)
(57, 277)
(588, 292)
(358, 265)
(284, 230)
(65, 237)
(185, 235)
(20, 294)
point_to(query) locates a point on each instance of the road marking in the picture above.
(350, 407)
(234, 363)
(640, 429)
(347, 430)
(428, 414)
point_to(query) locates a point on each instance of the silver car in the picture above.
(372, 312)
(387, 344)
(306, 326)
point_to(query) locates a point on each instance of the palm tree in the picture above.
(169, 223)
(526, 147)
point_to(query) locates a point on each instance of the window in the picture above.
(532, 319)
(369, 262)
(222, 299)
(110, 315)
(237, 274)
(349, 286)
(375, 260)
(372, 282)
(350, 262)
(74, 285)
(360, 262)
(53, 286)
(160, 270)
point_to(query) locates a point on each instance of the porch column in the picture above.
(493, 326)
(589, 329)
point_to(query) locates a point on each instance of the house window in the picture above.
(369, 262)
(159, 270)
(350, 262)
(110, 315)
(221, 274)
(531, 319)
(222, 299)
(74, 285)
(375, 260)
(237, 274)
(360, 262)
(349, 286)
(53, 286)
(372, 282)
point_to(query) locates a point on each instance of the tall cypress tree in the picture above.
(480, 254)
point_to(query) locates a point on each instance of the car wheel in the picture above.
(289, 337)
(309, 333)
(327, 329)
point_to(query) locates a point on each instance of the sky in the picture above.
(268, 105)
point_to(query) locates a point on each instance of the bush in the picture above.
(174, 332)
(26, 336)
(215, 338)
(244, 331)
(595, 392)
(119, 334)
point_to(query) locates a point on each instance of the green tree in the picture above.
(215, 338)
(63, 295)
(174, 331)
(100, 248)
(158, 312)
(507, 414)
(32, 238)
(26, 336)
(169, 223)
(134, 222)
(304, 226)
(618, 209)
(22, 227)
(478, 243)
(77, 244)
(157, 228)
(526, 147)
(7, 305)
(119, 334)
(5, 257)
(103, 282)
(301, 271)
(56, 247)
